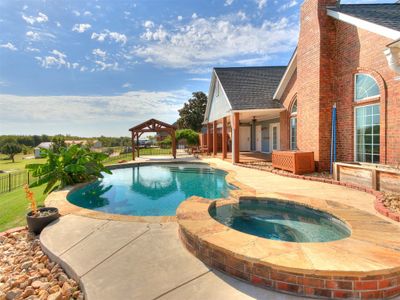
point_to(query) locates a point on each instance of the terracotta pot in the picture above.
(36, 224)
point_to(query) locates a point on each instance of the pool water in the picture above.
(280, 220)
(151, 190)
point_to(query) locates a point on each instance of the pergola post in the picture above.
(208, 138)
(215, 138)
(173, 138)
(224, 138)
(133, 145)
(235, 135)
(138, 146)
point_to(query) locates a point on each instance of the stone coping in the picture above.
(366, 264)
(59, 200)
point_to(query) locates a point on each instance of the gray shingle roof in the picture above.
(387, 15)
(251, 87)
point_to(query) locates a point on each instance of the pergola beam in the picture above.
(152, 125)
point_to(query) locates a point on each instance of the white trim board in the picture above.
(286, 76)
(372, 27)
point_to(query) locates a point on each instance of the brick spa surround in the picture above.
(365, 265)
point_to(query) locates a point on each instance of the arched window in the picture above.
(365, 87)
(293, 126)
(367, 120)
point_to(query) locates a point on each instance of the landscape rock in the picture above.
(26, 273)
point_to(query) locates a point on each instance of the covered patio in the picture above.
(242, 120)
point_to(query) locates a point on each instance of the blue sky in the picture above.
(94, 68)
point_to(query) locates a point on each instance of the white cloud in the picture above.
(148, 24)
(100, 53)
(40, 18)
(58, 24)
(127, 85)
(57, 59)
(158, 34)
(228, 2)
(83, 69)
(103, 66)
(81, 27)
(242, 15)
(42, 113)
(39, 35)
(31, 49)
(76, 13)
(198, 44)
(115, 36)
(9, 46)
(194, 16)
(87, 13)
(288, 5)
(179, 18)
(34, 36)
(261, 3)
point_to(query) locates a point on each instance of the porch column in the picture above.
(215, 138)
(224, 138)
(235, 138)
(133, 146)
(208, 138)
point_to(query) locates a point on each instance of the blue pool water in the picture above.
(151, 190)
(279, 220)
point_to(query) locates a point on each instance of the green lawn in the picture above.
(7, 164)
(14, 206)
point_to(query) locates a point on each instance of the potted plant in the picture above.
(38, 218)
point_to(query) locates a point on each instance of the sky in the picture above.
(92, 68)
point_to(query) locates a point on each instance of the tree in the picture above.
(191, 116)
(11, 149)
(191, 136)
(58, 143)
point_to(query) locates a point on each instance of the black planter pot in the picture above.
(36, 224)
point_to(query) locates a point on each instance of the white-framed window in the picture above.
(365, 87)
(293, 126)
(367, 133)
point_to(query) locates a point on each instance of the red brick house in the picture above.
(347, 56)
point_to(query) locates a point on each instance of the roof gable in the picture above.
(250, 87)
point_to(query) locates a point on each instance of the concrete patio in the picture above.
(138, 260)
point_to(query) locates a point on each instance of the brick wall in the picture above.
(329, 53)
(358, 50)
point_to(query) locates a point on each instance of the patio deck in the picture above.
(140, 260)
(249, 157)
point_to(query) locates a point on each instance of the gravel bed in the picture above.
(27, 273)
(392, 202)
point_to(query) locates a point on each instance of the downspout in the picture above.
(393, 56)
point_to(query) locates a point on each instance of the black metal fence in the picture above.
(14, 180)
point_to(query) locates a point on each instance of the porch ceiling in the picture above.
(259, 115)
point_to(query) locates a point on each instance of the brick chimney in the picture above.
(315, 75)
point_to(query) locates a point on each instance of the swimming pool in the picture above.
(281, 220)
(151, 190)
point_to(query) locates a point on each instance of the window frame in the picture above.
(355, 100)
(355, 131)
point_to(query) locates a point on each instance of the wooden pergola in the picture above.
(152, 125)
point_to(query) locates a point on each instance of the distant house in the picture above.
(44, 145)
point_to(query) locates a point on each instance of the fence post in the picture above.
(9, 182)
(28, 178)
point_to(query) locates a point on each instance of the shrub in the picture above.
(191, 136)
(67, 167)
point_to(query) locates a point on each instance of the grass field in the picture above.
(14, 206)
(7, 164)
